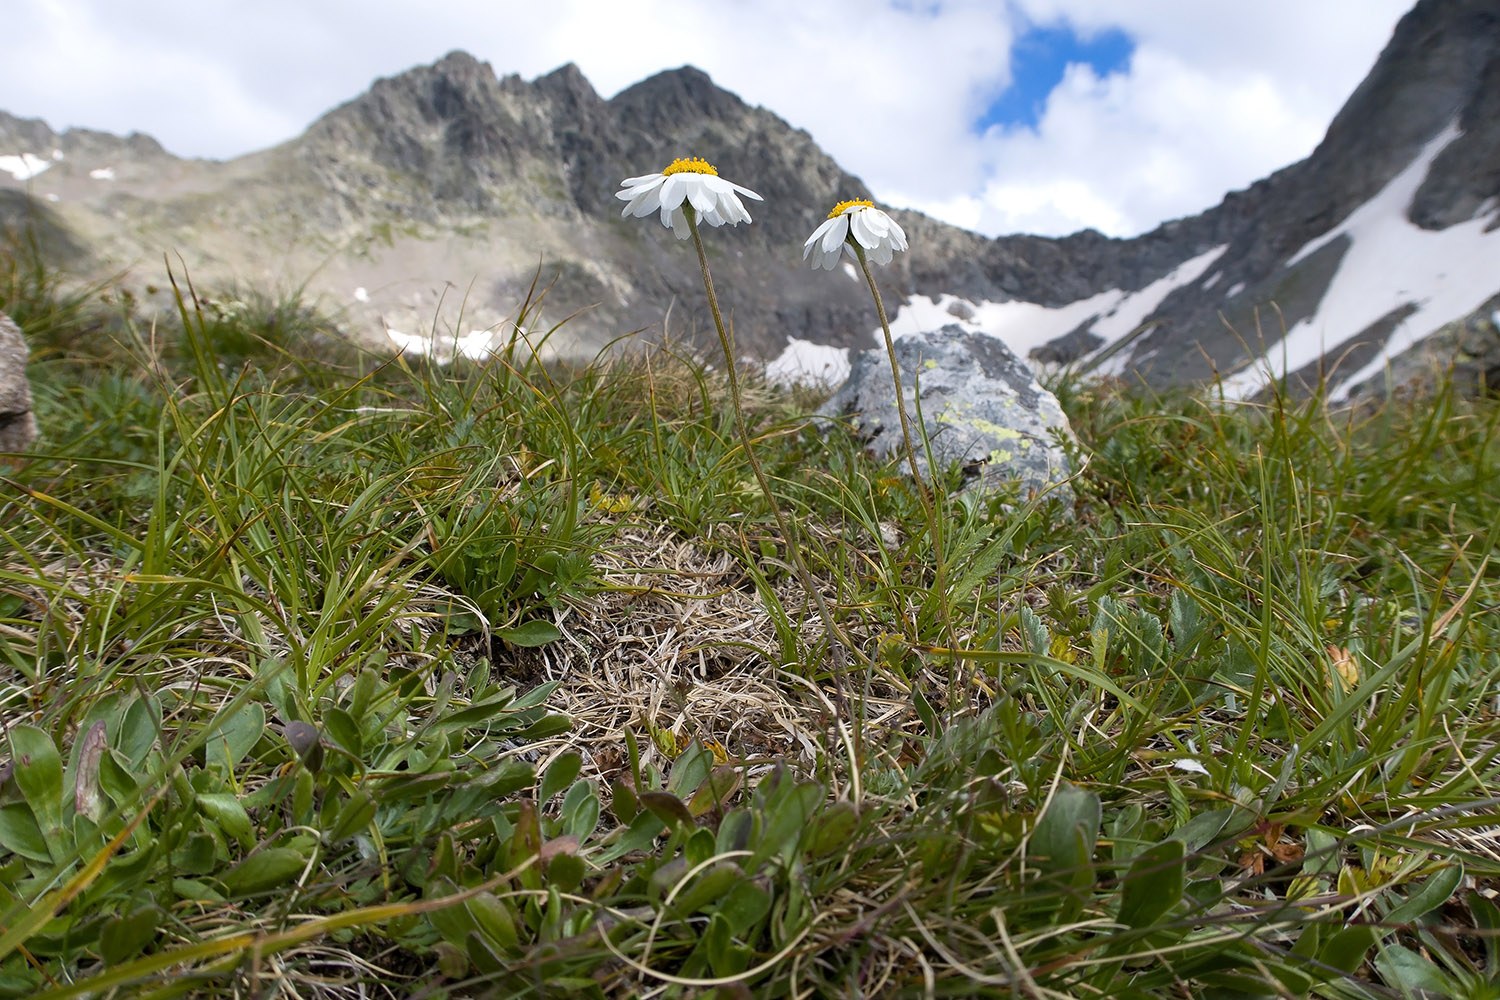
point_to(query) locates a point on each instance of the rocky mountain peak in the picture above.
(446, 177)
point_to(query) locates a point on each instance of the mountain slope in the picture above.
(429, 202)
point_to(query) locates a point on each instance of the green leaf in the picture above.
(1038, 640)
(453, 921)
(926, 713)
(560, 775)
(1153, 885)
(709, 887)
(1202, 828)
(547, 725)
(510, 775)
(639, 836)
(725, 957)
(20, 834)
(1345, 951)
(123, 938)
(114, 779)
(746, 906)
(230, 739)
(1410, 972)
(623, 802)
(537, 632)
(272, 868)
(344, 731)
(1487, 919)
(788, 824)
(1434, 892)
(715, 791)
(1073, 812)
(229, 815)
(833, 828)
(139, 728)
(39, 775)
(354, 818)
(495, 921)
(690, 769)
(565, 871)
(580, 810)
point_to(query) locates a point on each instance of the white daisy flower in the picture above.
(694, 181)
(854, 221)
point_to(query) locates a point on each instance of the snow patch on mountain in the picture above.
(1025, 326)
(806, 363)
(1391, 262)
(23, 166)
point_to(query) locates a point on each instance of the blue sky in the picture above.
(1039, 56)
(1042, 116)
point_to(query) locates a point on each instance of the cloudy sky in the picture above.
(1042, 116)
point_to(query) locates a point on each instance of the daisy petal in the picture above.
(836, 234)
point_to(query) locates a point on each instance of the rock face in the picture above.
(17, 424)
(431, 200)
(980, 405)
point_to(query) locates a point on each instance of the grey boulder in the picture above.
(980, 403)
(17, 425)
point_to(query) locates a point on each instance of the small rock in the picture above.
(982, 405)
(17, 425)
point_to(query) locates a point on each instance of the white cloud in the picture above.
(1217, 95)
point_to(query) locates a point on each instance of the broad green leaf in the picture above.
(139, 729)
(344, 731)
(1487, 919)
(1345, 950)
(623, 802)
(1203, 828)
(580, 810)
(20, 833)
(230, 739)
(547, 725)
(1153, 885)
(1434, 892)
(39, 775)
(565, 871)
(560, 774)
(272, 868)
(225, 810)
(832, 828)
(536, 632)
(1408, 971)
(354, 818)
(788, 824)
(1073, 812)
(690, 769)
(746, 906)
(709, 887)
(725, 957)
(495, 921)
(715, 791)
(454, 921)
(123, 938)
(639, 836)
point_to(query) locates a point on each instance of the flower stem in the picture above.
(726, 341)
(929, 506)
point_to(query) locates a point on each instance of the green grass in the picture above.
(349, 678)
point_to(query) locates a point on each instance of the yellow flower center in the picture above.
(844, 206)
(690, 165)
